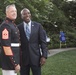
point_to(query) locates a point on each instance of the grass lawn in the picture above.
(63, 63)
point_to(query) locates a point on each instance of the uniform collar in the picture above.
(8, 19)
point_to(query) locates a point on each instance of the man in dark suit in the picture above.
(32, 38)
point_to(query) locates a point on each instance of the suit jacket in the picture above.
(31, 49)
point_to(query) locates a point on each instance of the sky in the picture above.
(71, 0)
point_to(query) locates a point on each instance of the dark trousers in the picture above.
(25, 70)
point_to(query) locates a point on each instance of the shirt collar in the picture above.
(26, 23)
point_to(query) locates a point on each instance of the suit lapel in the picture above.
(32, 29)
(23, 30)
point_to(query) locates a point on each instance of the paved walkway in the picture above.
(55, 51)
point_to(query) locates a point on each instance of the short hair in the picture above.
(7, 7)
(25, 9)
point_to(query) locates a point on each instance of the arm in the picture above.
(43, 44)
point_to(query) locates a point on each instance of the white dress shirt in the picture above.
(28, 27)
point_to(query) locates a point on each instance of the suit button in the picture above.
(14, 61)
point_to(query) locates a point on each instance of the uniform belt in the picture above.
(15, 44)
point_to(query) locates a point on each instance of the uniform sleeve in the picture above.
(6, 43)
(43, 42)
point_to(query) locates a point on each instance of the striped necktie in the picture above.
(27, 32)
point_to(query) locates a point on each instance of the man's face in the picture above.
(26, 16)
(11, 13)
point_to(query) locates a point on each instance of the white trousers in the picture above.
(8, 72)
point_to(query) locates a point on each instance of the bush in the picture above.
(54, 42)
(70, 40)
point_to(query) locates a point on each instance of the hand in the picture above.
(17, 68)
(42, 61)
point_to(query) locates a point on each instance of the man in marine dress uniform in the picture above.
(10, 52)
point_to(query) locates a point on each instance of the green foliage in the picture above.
(54, 42)
(71, 39)
(50, 13)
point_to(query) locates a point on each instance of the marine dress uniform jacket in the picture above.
(10, 51)
(31, 48)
